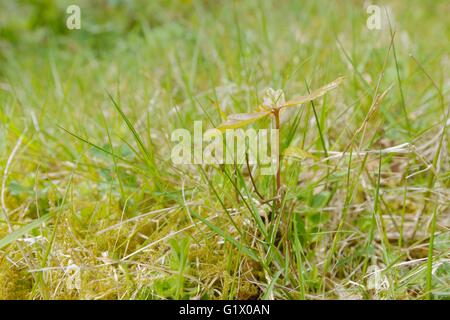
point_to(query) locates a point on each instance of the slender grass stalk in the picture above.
(399, 80)
(405, 197)
(276, 113)
(433, 175)
(429, 283)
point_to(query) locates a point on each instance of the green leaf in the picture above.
(314, 94)
(13, 236)
(17, 189)
(320, 199)
(239, 120)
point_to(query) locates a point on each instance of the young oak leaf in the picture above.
(314, 94)
(273, 100)
(239, 120)
(299, 153)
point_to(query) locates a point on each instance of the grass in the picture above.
(93, 207)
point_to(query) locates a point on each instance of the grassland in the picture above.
(93, 208)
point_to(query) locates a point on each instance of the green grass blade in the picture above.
(13, 236)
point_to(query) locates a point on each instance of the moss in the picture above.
(14, 283)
